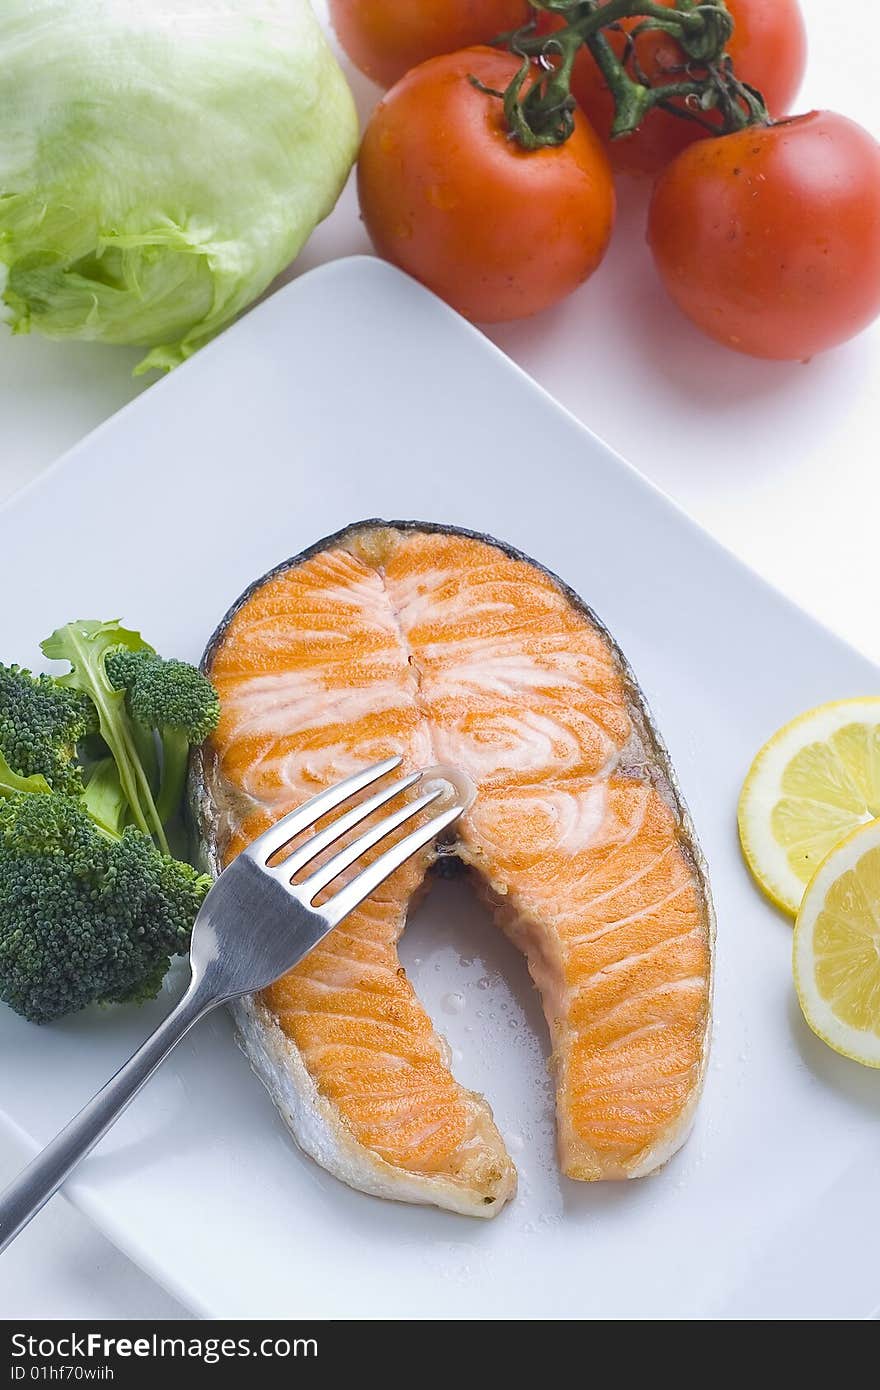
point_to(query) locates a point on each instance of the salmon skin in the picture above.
(450, 648)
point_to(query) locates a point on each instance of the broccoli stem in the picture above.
(85, 646)
(175, 762)
(116, 733)
(145, 745)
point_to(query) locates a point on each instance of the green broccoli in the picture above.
(92, 903)
(173, 701)
(86, 644)
(149, 713)
(85, 916)
(13, 784)
(41, 724)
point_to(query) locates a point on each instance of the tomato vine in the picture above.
(540, 111)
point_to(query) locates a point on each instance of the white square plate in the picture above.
(350, 394)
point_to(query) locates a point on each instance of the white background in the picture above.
(780, 461)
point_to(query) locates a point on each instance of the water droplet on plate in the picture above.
(453, 1003)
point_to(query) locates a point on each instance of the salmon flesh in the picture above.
(450, 648)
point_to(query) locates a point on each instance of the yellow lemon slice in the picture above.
(837, 948)
(812, 783)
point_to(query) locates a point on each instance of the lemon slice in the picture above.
(812, 783)
(837, 948)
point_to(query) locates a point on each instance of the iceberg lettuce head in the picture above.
(160, 162)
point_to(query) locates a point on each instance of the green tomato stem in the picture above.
(543, 113)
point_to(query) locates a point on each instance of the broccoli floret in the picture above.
(147, 729)
(92, 907)
(41, 724)
(171, 700)
(165, 694)
(85, 916)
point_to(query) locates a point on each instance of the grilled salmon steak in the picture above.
(448, 648)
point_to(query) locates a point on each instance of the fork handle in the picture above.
(33, 1187)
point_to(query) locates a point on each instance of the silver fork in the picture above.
(254, 925)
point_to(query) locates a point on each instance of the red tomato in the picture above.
(385, 38)
(450, 197)
(769, 51)
(769, 239)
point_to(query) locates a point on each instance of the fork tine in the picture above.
(291, 825)
(311, 887)
(313, 847)
(354, 893)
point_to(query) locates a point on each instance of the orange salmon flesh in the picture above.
(448, 649)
